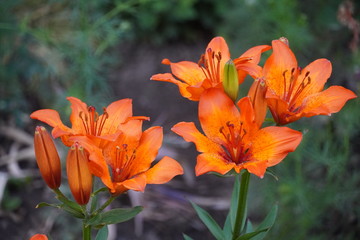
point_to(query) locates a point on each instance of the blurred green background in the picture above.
(104, 50)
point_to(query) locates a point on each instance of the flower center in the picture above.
(122, 164)
(210, 65)
(293, 91)
(92, 122)
(235, 149)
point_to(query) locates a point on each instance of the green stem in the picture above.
(107, 203)
(86, 232)
(241, 208)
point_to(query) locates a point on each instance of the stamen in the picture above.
(92, 122)
(210, 65)
(233, 146)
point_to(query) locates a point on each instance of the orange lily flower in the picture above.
(47, 158)
(233, 139)
(87, 122)
(294, 93)
(79, 176)
(129, 159)
(39, 237)
(208, 72)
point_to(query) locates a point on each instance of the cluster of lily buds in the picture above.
(47, 157)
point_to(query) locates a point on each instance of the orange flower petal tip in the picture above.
(39, 237)
(166, 61)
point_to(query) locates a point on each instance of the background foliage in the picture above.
(96, 49)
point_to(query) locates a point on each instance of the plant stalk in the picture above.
(86, 232)
(241, 208)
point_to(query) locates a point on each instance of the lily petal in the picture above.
(218, 44)
(118, 112)
(282, 60)
(77, 106)
(319, 72)
(147, 150)
(137, 183)
(190, 133)
(168, 77)
(327, 102)
(163, 171)
(215, 110)
(210, 162)
(272, 144)
(52, 118)
(256, 167)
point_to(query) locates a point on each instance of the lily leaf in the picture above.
(249, 227)
(267, 223)
(114, 216)
(102, 233)
(248, 236)
(72, 211)
(209, 222)
(45, 204)
(186, 237)
(227, 227)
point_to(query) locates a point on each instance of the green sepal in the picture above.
(102, 233)
(209, 222)
(114, 216)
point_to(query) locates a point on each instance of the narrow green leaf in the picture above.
(73, 212)
(267, 223)
(209, 222)
(94, 203)
(248, 236)
(116, 215)
(102, 233)
(186, 237)
(249, 227)
(45, 204)
(227, 227)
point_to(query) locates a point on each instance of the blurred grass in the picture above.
(53, 49)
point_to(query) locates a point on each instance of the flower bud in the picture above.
(47, 158)
(78, 172)
(230, 80)
(257, 94)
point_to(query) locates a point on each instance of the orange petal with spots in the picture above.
(282, 60)
(215, 110)
(210, 162)
(190, 133)
(272, 144)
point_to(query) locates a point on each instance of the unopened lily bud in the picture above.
(257, 94)
(47, 158)
(284, 40)
(230, 80)
(79, 176)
